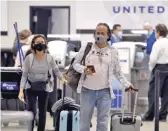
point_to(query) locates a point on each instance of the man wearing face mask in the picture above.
(95, 85)
(116, 34)
(150, 38)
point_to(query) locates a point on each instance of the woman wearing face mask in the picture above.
(37, 78)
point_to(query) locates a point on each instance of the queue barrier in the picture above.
(158, 75)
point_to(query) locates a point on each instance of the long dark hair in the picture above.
(33, 41)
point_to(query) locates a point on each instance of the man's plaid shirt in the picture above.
(114, 70)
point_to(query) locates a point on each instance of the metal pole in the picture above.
(157, 87)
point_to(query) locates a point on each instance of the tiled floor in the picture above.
(147, 126)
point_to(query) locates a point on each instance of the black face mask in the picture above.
(40, 47)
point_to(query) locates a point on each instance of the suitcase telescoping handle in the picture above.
(135, 104)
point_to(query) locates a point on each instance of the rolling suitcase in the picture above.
(126, 121)
(69, 119)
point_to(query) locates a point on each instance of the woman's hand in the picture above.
(21, 95)
(63, 80)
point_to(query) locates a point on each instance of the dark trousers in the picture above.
(163, 92)
(42, 105)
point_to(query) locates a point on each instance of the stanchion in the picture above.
(157, 90)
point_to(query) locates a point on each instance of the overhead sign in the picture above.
(138, 9)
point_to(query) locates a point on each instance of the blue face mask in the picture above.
(149, 34)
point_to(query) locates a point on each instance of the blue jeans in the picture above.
(95, 98)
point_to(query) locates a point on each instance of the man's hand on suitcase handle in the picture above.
(131, 89)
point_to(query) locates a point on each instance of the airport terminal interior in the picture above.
(66, 26)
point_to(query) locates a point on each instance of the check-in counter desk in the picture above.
(140, 76)
(140, 79)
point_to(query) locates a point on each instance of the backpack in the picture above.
(72, 75)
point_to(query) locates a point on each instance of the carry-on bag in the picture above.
(126, 121)
(68, 116)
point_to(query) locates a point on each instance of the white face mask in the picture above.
(120, 33)
(100, 39)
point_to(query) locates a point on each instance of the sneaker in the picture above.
(162, 119)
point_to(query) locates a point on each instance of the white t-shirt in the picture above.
(159, 54)
(25, 48)
(100, 59)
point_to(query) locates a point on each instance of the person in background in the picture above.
(24, 34)
(37, 79)
(150, 38)
(158, 61)
(25, 48)
(116, 34)
(95, 88)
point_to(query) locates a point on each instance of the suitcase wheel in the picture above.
(141, 124)
(5, 124)
(91, 125)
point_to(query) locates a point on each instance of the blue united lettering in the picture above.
(138, 9)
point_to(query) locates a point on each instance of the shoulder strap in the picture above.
(28, 53)
(48, 62)
(48, 59)
(31, 59)
(87, 50)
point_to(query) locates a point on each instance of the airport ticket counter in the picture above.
(135, 69)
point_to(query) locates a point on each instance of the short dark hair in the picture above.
(115, 26)
(162, 29)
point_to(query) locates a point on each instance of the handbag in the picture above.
(72, 75)
(38, 85)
